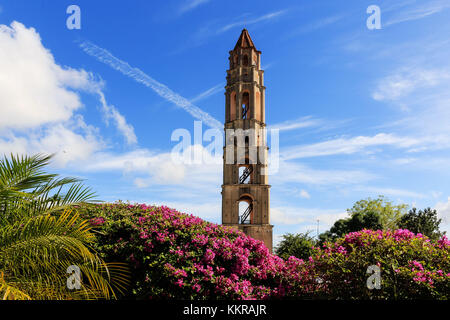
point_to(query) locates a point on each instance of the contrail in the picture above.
(209, 92)
(162, 90)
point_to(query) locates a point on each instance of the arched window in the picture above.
(245, 105)
(245, 61)
(245, 210)
(245, 174)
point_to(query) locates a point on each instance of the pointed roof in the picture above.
(244, 41)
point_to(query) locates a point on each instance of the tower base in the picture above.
(262, 232)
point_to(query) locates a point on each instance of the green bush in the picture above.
(179, 256)
(298, 245)
(412, 266)
(423, 221)
(175, 255)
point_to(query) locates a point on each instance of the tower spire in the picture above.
(244, 41)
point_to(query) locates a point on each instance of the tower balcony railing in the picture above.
(245, 112)
(244, 219)
(247, 172)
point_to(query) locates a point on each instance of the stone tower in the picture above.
(245, 189)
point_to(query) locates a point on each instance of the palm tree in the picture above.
(44, 245)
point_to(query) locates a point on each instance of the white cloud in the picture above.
(252, 20)
(326, 220)
(292, 172)
(284, 215)
(304, 194)
(67, 144)
(404, 161)
(436, 194)
(12, 144)
(406, 81)
(214, 28)
(111, 112)
(70, 145)
(421, 90)
(191, 5)
(208, 210)
(316, 25)
(416, 12)
(303, 122)
(207, 93)
(151, 168)
(39, 98)
(34, 90)
(277, 238)
(347, 146)
(443, 209)
(324, 22)
(140, 183)
(391, 192)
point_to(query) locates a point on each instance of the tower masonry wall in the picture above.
(246, 189)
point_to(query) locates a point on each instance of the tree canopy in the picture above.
(297, 245)
(388, 212)
(374, 214)
(423, 221)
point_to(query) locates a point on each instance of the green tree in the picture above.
(389, 213)
(374, 214)
(358, 221)
(41, 235)
(423, 221)
(297, 245)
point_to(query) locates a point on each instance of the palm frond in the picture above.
(25, 190)
(8, 291)
(39, 252)
(41, 236)
(24, 173)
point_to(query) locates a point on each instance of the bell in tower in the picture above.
(245, 189)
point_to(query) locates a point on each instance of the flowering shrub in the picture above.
(412, 266)
(176, 255)
(179, 256)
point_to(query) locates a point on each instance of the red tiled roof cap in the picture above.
(244, 41)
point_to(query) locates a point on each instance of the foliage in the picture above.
(298, 245)
(358, 221)
(412, 266)
(422, 221)
(175, 255)
(374, 214)
(388, 212)
(46, 226)
(41, 236)
(27, 191)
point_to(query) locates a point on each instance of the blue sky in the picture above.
(361, 112)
